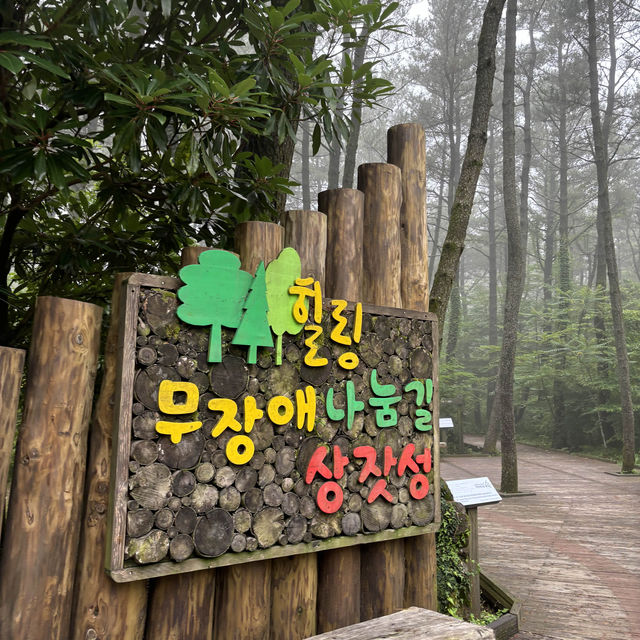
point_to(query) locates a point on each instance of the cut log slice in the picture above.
(139, 522)
(213, 533)
(376, 516)
(268, 524)
(151, 548)
(186, 520)
(420, 364)
(147, 382)
(317, 376)
(421, 511)
(296, 529)
(144, 425)
(183, 455)
(204, 498)
(144, 451)
(160, 313)
(167, 354)
(151, 486)
(229, 378)
(351, 524)
(184, 482)
(181, 547)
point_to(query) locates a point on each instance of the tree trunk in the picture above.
(502, 411)
(472, 164)
(305, 176)
(493, 274)
(600, 144)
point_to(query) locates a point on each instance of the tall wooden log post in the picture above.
(294, 580)
(256, 241)
(340, 607)
(103, 608)
(406, 149)
(306, 232)
(11, 366)
(38, 562)
(243, 592)
(382, 563)
(182, 606)
(344, 209)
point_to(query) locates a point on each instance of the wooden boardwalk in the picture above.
(571, 552)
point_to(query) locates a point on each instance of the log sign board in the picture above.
(257, 420)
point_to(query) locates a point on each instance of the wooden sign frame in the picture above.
(122, 571)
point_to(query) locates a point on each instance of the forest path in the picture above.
(571, 552)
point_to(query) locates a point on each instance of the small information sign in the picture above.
(446, 423)
(473, 492)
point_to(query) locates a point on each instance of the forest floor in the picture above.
(571, 552)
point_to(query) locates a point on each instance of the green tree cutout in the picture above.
(281, 274)
(254, 330)
(214, 295)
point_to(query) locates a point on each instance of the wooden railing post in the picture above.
(38, 562)
(382, 563)
(243, 592)
(182, 606)
(101, 606)
(11, 366)
(406, 149)
(344, 208)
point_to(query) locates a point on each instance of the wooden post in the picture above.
(472, 512)
(294, 586)
(103, 608)
(306, 232)
(294, 580)
(256, 241)
(11, 365)
(406, 149)
(182, 606)
(37, 566)
(243, 601)
(345, 210)
(381, 263)
(243, 592)
(382, 563)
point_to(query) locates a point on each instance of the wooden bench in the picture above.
(410, 624)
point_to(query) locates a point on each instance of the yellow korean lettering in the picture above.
(306, 407)
(302, 289)
(251, 413)
(228, 420)
(311, 357)
(276, 405)
(240, 449)
(336, 314)
(176, 429)
(166, 397)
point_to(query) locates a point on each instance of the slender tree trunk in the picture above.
(305, 177)
(559, 436)
(502, 412)
(600, 144)
(493, 273)
(351, 150)
(438, 221)
(472, 164)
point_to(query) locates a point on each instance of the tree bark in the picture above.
(601, 157)
(472, 164)
(502, 412)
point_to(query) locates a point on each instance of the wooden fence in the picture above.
(52, 579)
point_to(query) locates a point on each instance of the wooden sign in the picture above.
(473, 492)
(257, 420)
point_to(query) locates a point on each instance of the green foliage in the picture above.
(454, 583)
(214, 294)
(125, 129)
(253, 329)
(281, 274)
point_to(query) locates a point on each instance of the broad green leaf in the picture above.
(13, 37)
(11, 62)
(111, 97)
(45, 64)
